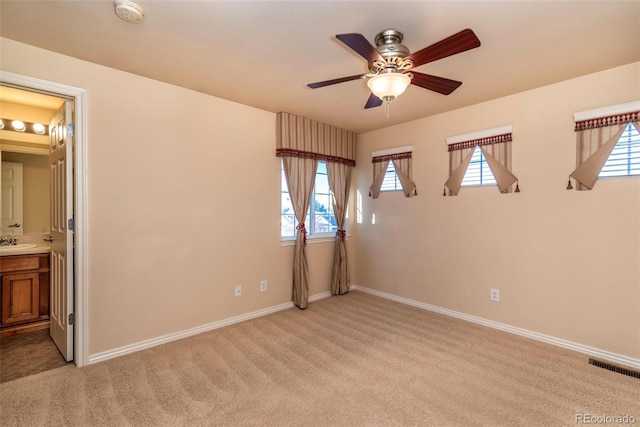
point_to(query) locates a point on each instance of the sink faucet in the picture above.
(6, 241)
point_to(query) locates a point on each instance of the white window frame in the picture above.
(310, 223)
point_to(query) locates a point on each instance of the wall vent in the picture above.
(614, 368)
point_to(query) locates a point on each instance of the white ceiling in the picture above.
(263, 53)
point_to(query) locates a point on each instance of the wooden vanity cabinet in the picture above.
(24, 293)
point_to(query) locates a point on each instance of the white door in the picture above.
(11, 198)
(61, 169)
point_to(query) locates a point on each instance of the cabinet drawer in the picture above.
(16, 263)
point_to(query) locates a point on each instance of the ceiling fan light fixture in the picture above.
(388, 86)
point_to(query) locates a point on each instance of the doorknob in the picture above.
(48, 239)
(15, 225)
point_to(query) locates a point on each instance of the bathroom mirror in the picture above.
(29, 153)
(25, 192)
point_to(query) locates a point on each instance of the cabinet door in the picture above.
(20, 298)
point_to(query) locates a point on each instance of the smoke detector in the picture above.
(129, 11)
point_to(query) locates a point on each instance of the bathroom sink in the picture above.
(14, 248)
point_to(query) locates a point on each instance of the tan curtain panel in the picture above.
(402, 164)
(379, 169)
(458, 164)
(339, 176)
(496, 150)
(301, 143)
(595, 140)
(300, 174)
(499, 159)
(403, 170)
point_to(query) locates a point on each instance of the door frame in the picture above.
(80, 258)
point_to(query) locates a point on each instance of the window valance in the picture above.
(507, 137)
(386, 158)
(600, 122)
(305, 138)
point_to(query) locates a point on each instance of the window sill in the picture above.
(312, 240)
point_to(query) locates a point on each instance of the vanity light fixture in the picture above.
(18, 126)
(39, 128)
(23, 127)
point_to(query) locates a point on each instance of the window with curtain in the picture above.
(479, 159)
(607, 144)
(392, 170)
(323, 221)
(317, 161)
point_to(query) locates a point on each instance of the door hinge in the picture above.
(70, 130)
(72, 318)
(70, 224)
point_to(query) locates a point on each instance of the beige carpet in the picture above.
(352, 360)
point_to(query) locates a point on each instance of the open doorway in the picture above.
(28, 311)
(66, 267)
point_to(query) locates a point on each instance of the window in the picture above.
(322, 223)
(391, 181)
(624, 160)
(478, 173)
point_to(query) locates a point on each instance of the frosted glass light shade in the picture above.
(388, 86)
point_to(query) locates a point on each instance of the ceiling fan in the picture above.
(390, 63)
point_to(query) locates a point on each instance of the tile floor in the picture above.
(27, 354)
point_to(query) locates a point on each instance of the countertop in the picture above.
(40, 248)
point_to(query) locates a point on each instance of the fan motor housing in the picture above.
(389, 44)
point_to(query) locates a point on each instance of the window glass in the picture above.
(478, 173)
(391, 181)
(624, 160)
(323, 221)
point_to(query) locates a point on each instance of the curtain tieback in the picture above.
(302, 228)
(341, 233)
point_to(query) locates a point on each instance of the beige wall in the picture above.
(183, 193)
(566, 262)
(35, 185)
(184, 203)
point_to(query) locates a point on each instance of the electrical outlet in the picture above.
(495, 294)
(238, 290)
(263, 286)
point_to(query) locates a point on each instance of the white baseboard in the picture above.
(591, 351)
(142, 345)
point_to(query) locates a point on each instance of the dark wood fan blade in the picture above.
(434, 83)
(360, 45)
(459, 42)
(373, 102)
(334, 81)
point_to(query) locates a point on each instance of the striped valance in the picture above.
(495, 139)
(395, 156)
(599, 122)
(301, 137)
